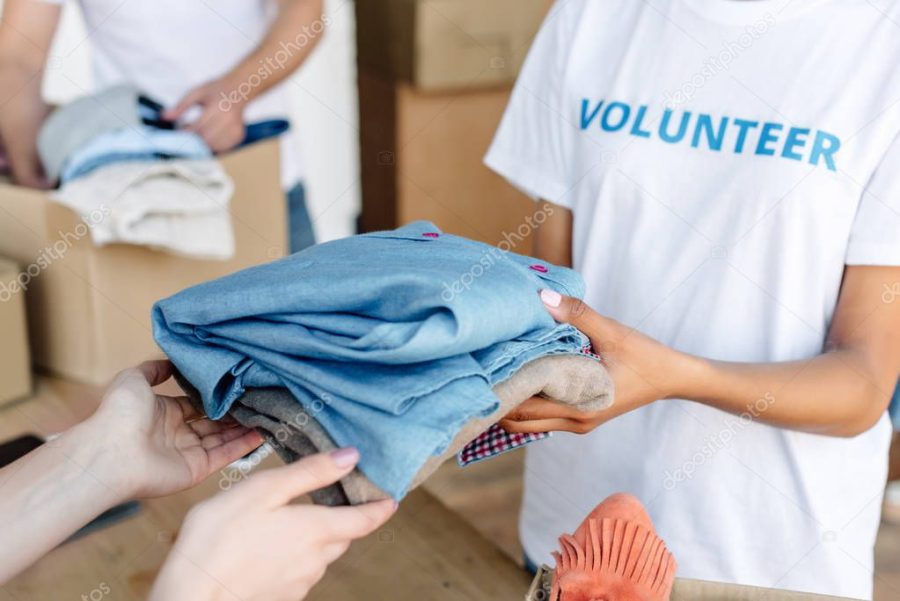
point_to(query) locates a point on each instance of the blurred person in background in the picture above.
(139, 444)
(726, 176)
(216, 65)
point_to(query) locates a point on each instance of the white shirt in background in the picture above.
(165, 48)
(727, 240)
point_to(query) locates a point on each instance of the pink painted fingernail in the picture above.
(551, 298)
(345, 458)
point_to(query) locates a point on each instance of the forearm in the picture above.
(51, 493)
(553, 239)
(21, 115)
(839, 393)
(291, 39)
(26, 32)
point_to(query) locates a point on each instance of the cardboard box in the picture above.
(696, 590)
(447, 44)
(89, 307)
(693, 590)
(15, 361)
(421, 158)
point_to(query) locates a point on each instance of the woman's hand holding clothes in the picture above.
(251, 543)
(843, 390)
(642, 369)
(137, 444)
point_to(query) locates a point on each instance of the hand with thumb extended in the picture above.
(642, 369)
(251, 543)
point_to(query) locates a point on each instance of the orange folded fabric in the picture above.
(615, 555)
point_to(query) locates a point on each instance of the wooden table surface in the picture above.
(425, 552)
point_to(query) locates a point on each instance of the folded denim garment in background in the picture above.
(120, 124)
(141, 143)
(393, 339)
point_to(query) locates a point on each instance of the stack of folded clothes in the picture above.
(407, 344)
(142, 180)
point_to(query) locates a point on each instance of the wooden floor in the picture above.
(487, 495)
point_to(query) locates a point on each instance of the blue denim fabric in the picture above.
(392, 340)
(894, 409)
(147, 143)
(300, 228)
(143, 143)
(263, 130)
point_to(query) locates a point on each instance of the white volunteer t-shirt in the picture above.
(167, 47)
(724, 234)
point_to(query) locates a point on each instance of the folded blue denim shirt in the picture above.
(148, 143)
(138, 143)
(121, 124)
(392, 340)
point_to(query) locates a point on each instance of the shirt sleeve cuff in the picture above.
(529, 179)
(887, 254)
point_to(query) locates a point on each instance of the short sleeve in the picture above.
(875, 237)
(533, 145)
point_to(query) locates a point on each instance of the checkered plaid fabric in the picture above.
(588, 350)
(496, 441)
(493, 442)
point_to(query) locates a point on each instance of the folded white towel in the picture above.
(177, 205)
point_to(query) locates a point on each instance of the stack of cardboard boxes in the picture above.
(692, 590)
(434, 80)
